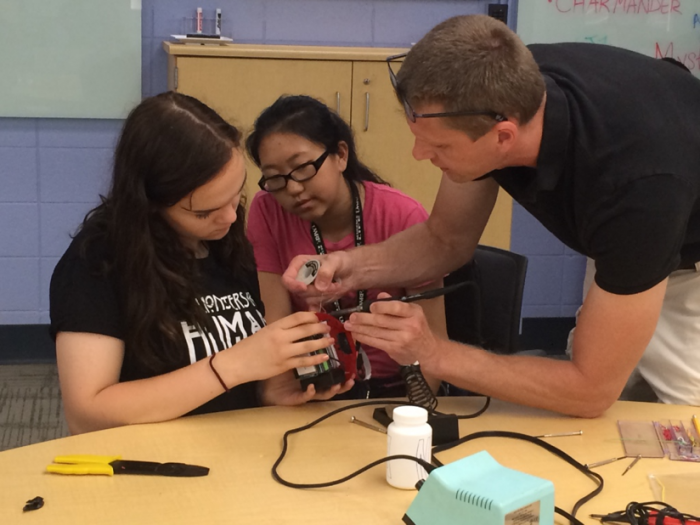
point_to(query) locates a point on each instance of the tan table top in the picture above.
(240, 448)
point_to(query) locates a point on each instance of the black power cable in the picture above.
(427, 466)
(646, 514)
(285, 444)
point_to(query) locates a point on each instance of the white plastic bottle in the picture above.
(408, 434)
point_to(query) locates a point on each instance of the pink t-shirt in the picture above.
(278, 236)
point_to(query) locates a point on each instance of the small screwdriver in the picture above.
(634, 462)
(603, 462)
(353, 419)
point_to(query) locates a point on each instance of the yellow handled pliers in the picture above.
(82, 464)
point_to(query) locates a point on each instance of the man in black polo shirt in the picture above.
(600, 144)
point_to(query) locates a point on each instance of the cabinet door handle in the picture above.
(337, 102)
(366, 111)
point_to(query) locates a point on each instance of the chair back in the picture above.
(488, 315)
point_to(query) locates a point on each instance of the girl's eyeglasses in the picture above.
(299, 174)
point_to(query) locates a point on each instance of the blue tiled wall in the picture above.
(52, 170)
(554, 284)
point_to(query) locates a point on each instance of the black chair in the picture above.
(488, 314)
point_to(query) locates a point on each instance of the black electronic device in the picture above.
(445, 426)
(342, 362)
(202, 35)
(499, 12)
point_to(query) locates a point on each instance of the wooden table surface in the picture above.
(240, 448)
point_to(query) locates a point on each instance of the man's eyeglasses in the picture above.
(299, 174)
(412, 115)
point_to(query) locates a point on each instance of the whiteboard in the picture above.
(658, 28)
(69, 58)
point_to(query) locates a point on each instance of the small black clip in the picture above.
(34, 504)
(343, 343)
(619, 516)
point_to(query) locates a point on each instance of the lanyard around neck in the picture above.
(358, 222)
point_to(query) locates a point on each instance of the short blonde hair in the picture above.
(475, 63)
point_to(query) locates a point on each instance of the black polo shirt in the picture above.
(618, 171)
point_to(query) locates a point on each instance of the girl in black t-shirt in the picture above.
(160, 280)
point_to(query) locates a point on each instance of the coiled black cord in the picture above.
(645, 514)
(417, 388)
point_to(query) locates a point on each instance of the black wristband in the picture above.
(211, 365)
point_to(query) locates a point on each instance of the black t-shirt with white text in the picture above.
(84, 300)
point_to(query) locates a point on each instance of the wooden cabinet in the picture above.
(240, 80)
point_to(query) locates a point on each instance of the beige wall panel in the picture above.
(385, 144)
(240, 88)
(384, 140)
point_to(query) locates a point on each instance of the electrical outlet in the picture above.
(499, 12)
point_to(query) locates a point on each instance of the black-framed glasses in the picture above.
(301, 173)
(412, 115)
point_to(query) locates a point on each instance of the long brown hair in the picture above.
(170, 145)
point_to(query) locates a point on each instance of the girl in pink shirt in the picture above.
(319, 198)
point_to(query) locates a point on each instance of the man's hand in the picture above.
(284, 390)
(400, 329)
(334, 279)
